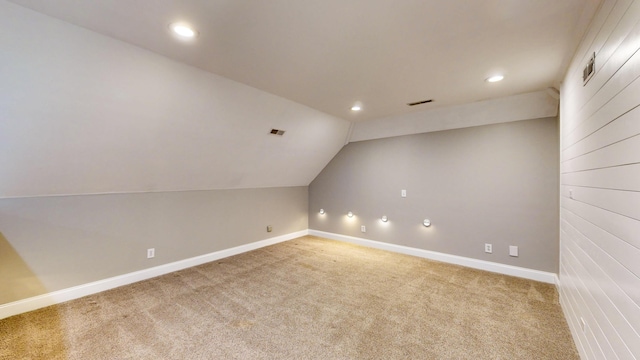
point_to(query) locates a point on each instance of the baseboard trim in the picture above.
(60, 296)
(56, 297)
(525, 273)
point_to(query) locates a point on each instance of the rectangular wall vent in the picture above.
(419, 102)
(277, 132)
(589, 70)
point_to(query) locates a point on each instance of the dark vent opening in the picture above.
(419, 102)
(589, 70)
(277, 132)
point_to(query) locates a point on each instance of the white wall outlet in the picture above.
(488, 248)
(269, 228)
(403, 193)
(513, 251)
(151, 253)
(363, 228)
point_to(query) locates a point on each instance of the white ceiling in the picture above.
(329, 54)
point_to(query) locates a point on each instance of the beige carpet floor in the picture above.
(308, 298)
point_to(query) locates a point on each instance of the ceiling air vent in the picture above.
(589, 70)
(277, 132)
(419, 102)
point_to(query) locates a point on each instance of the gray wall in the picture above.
(489, 184)
(52, 243)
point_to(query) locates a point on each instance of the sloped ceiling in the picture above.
(329, 54)
(83, 113)
(97, 97)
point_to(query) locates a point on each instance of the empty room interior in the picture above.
(212, 179)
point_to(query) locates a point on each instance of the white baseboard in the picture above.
(525, 273)
(56, 297)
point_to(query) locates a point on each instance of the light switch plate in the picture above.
(513, 251)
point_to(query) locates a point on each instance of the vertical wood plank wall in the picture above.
(600, 187)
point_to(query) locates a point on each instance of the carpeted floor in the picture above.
(308, 298)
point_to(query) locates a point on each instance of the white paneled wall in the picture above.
(600, 187)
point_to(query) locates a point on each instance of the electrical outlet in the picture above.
(363, 228)
(151, 253)
(269, 228)
(403, 193)
(488, 248)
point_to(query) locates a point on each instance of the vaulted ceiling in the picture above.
(331, 54)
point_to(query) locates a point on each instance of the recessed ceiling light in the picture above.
(495, 78)
(356, 108)
(183, 30)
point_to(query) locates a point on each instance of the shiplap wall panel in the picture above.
(609, 317)
(618, 177)
(622, 102)
(600, 187)
(615, 48)
(605, 22)
(617, 131)
(611, 102)
(618, 43)
(621, 259)
(568, 302)
(625, 228)
(610, 22)
(609, 322)
(621, 79)
(595, 338)
(608, 269)
(571, 303)
(624, 152)
(625, 203)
